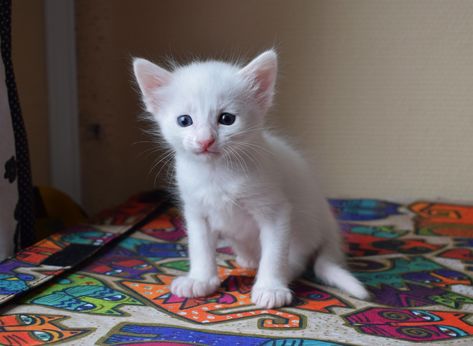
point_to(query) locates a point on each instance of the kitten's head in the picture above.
(208, 110)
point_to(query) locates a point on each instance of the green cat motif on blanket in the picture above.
(81, 293)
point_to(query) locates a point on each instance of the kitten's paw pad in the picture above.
(247, 262)
(269, 298)
(184, 286)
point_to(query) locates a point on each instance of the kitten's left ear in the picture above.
(150, 77)
(262, 72)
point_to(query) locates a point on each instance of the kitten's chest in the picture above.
(216, 195)
(219, 196)
(211, 189)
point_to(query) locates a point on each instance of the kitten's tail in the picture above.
(327, 268)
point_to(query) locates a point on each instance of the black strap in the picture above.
(24, 234)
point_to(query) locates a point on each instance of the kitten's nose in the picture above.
(206, 143)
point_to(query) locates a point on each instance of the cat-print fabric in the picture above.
(415, 260)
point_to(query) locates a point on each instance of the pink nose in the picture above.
(206, 144)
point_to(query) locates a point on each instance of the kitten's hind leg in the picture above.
(298, 263)
(247, 253)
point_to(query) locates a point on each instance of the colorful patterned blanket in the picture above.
(108, 284)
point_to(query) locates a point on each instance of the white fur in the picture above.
(251, 187)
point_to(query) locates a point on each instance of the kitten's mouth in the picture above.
(207, 154)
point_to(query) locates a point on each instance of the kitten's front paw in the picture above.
(184, 286)
(271, 297)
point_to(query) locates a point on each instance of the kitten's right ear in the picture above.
(150, 78)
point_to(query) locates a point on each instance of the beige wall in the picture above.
(383, 90)
(28, 54)
(378, 92)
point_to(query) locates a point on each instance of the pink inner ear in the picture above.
(150, 77)
(155, 78)
(262, 72)
(151, 82)
(264, 80)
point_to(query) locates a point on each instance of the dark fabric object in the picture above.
(24, 235)
(75, 245)
(71, 255)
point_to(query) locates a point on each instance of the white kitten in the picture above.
(238, 181)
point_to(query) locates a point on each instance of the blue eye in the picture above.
(226, 119)
(26, 319)
(426, 315)
(43, 336)
(184, 120)
(452, 331)
(114, 297)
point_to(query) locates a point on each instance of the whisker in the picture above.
(239, 159)
(251, 157)
(169, 158)
(149, 151)
(246, 131)
(256, 147)
(163, 158)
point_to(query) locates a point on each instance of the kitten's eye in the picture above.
(226, 119)
(184, 120)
